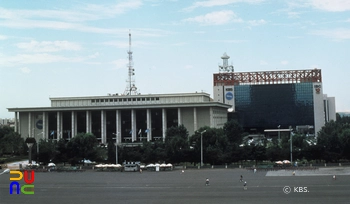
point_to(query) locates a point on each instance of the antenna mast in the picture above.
(225, 67)
(130, 86)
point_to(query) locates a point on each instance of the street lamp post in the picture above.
(202, 147)
(116, 147)
(37, 148)
(279, 135)
(30, 142)
(291, 144)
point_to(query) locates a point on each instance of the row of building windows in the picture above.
(124, 99)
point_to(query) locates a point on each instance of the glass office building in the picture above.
(267, 106)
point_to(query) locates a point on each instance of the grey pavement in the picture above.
(177, 187)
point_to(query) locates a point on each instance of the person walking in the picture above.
(245, 185)
(241, 179)
(207, 182)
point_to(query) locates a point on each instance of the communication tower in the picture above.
(130, 89)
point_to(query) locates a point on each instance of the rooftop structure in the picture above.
(267, 77)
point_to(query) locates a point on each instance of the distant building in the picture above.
(7, 122)
(271, 99)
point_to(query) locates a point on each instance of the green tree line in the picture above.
(220, 146)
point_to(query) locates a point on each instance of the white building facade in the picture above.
(132, 118)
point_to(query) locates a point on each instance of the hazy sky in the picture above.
(79, 48)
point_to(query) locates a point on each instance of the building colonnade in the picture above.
(125, 125)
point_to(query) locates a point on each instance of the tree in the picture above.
(344, 138)
(274, 153)
(11, 143)
(5, 130)
(258, 153)
(176, 142)
(82, 146)
(299, 146)
(314, 152)
(216, 148)
(61, 153)
(131, 153)
(328, 138)
(47, 151)
(111, 152)
(234, 132)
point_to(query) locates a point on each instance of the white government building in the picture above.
(132, 118)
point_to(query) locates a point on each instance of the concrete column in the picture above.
(149, 125)
(164, 125)
(118, 125)
(195, 124)
(211, 117)
(88, 122)
(73, 123)
(179, 118)
(133, 125)
(30, 128)
(47, 133)
(103, 127)
(19, 124)
(59, 126)
(44, 136)
(16, 121)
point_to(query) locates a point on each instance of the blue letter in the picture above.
(17, 186)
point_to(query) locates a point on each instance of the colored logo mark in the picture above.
(229, 96)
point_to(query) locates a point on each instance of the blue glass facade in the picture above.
(267, 106)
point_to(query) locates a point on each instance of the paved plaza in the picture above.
(188, 187)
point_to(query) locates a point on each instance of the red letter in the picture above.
(26, 177)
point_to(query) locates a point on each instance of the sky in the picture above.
(79, 48)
